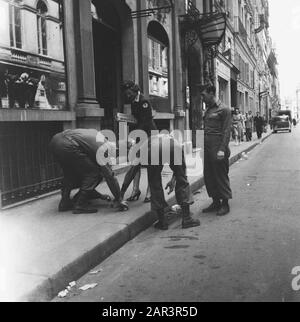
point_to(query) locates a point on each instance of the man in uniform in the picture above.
(165, 149)
(217, 131)
(76, 151)
(141, 108)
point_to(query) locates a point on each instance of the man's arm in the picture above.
(226, 129)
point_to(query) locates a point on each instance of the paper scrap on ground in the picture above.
(88, 287)
(63, 293)
(96, 272)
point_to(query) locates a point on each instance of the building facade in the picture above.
(62, 63)
(246, 69)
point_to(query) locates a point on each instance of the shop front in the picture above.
(33, 97)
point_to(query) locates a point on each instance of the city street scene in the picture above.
(149, 153)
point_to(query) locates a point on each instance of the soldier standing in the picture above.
(217, 131)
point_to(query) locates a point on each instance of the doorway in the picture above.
(108, 61)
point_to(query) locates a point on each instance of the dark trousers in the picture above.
(216, 172)
(177, 165)
(79, 170)
(259, 131)
(249, 134)
(182, 189)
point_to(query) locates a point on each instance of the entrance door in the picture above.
(107, 51)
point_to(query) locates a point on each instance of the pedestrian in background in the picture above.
(249, 127)
(217, 128)
(259, 125)
(238, 128)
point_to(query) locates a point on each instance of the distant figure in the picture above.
(259, 125)
(294, 122)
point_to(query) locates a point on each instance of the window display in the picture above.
(32, 64)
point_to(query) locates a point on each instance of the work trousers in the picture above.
(182, 190)
(216, 172)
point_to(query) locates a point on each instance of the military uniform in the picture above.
(163, 143)
(142, 110)
(76, 151)
(217, 132)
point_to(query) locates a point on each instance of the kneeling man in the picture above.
(76, 152)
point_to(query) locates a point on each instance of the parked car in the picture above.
(281, 123)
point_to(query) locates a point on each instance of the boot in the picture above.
(187, 220)
(215, 206)
(81, 206)
(94, 195)
(162, 223)
(224, 210)
(66, 203)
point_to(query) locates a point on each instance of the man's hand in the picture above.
(171, 185)
(220, 155)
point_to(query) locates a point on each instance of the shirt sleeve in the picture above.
(226, 129)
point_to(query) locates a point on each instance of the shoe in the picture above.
(161, 226)
(162, 223)
(81, 206)
(65, 206)
(215, 206)
(224, 210)
(135, 197)
(66, 203)
(189, 222)
(147, 200)
(94, 195)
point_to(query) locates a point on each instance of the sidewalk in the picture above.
(42, 251)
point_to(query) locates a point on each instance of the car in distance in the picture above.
(281, 123)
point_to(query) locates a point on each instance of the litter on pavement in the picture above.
(96, 272)
(88, 287)
(63, 294)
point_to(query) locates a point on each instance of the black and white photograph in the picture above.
(149, 154)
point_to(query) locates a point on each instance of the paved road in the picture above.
(246, 256)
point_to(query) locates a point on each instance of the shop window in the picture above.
(27, 80)
(15, 27)
(158, 45)
(42, 27)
